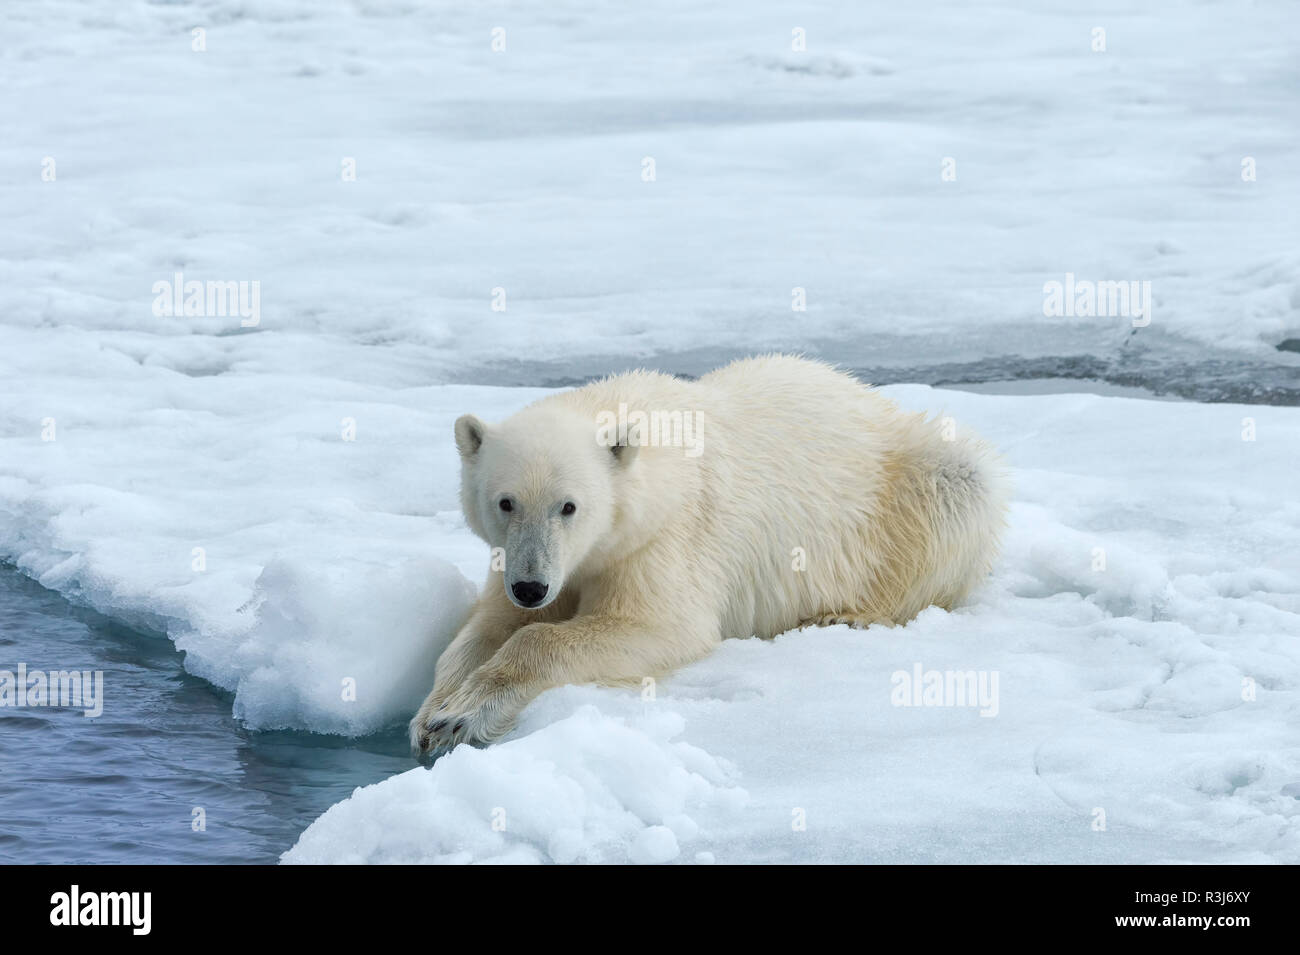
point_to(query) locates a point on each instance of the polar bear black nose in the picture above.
(529, 592)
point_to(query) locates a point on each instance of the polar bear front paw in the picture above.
(480, 711)
(420, 723)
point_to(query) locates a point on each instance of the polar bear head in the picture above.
(540, 487)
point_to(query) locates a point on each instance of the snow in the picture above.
(332, 567)
(774, 169)
(588, 783)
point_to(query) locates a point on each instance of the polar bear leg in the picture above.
(589, 649)
(489, 626)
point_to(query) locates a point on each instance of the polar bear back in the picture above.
(810, 495)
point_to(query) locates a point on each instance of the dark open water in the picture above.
(123, 787)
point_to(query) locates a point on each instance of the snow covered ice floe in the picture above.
(1142, 625)
(1121, 690)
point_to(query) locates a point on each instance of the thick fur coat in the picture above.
(640, 520)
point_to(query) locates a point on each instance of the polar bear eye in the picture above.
(506, 505)
(568, 508)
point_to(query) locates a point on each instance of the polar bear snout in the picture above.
(529, 593)
(534, 565)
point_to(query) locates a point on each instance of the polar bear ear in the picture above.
(625, 450)
(624, 454)
(469, 435)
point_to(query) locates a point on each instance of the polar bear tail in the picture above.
(949, 501)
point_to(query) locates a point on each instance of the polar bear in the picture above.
(644, 518)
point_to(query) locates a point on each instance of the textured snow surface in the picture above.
(774, 169)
